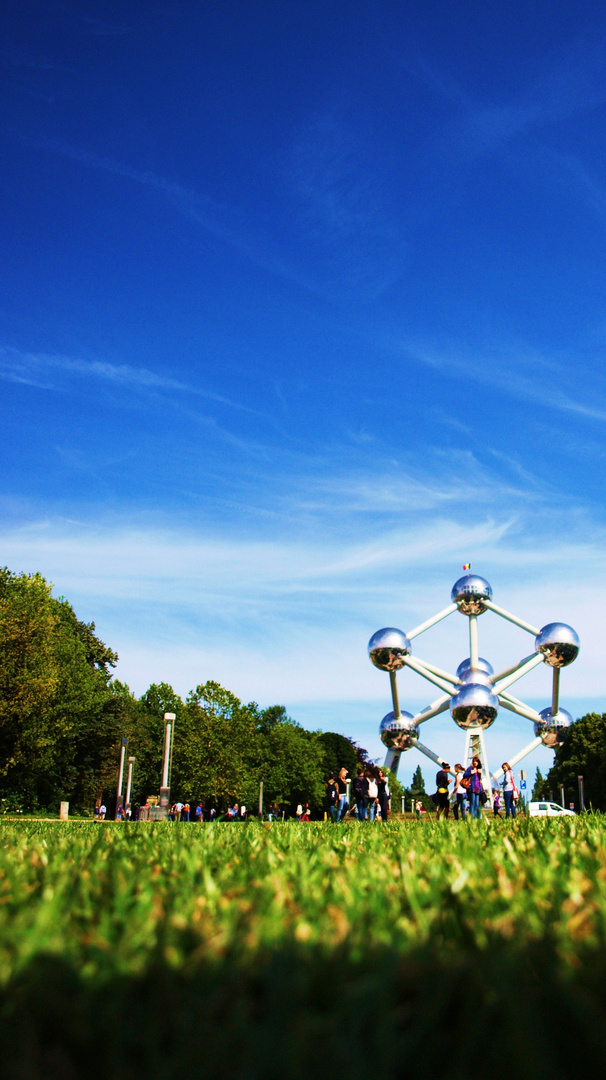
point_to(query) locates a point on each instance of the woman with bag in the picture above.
(510, 791)
(475, 789)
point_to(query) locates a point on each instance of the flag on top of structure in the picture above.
(467, 566)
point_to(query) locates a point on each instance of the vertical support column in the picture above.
(486, 777)
(473, 641)
(468, 755)
(392, 760)
(394, 694)
(476, 747)
(260, 800)
(555, 692)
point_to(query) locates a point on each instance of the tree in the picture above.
(291, 764)
(539, 790)
(339, 752)
(396, 791)
(417, 785)
(213, 749)
(55, 724)
(582, 754)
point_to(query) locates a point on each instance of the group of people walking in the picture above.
(370, 796)
(469, 793)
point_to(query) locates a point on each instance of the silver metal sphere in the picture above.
(469, 594)
(482, 665)
(400, 734)
(553, 730)
(473, 676)
(474, 706)
(388, 647)
(559, 644)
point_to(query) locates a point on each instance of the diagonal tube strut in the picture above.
(518, 757)
(522, 670)
(432, 622)
(420, 669)
(511, 618)
(438, 706)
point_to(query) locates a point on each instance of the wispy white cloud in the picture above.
(229, 224)
(38, 369)
(520, 373)
(561, 88)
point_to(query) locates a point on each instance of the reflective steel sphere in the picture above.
(465, 666)
(474, 676)
(552, 730)
(400, 734)
(474, 706)
(388, 647)
(469, 594)
(559, 644)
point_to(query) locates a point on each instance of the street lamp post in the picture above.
(169, 719)
(129, 782)
(119, 803)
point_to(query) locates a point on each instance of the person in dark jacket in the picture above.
(360, 787)
(442, 782)
(332, 798)
(383, 790)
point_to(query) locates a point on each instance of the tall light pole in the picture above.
(121, 776)
(169, 719)
(129, 782)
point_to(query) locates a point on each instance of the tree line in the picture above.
(63, 716)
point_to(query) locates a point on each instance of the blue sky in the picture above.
(303, 308)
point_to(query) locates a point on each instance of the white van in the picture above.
(548, 809)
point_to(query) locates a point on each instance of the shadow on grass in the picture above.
(300, 1013)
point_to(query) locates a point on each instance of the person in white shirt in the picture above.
(460, 793)
(373, 795)
(509, 790)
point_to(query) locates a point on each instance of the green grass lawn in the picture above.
(293, 950)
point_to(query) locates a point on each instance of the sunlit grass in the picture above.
(414, 917)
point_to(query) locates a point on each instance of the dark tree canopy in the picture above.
(56, 718)
(339, 752)
(417, 785)
(582, 754)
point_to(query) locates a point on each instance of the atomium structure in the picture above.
(475, 693)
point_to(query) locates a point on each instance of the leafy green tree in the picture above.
(417, 785)
(539, 790)
(55, 718)
(397, 791)
(339, 752)
(582, 754)
(291, 764)
(214, 755)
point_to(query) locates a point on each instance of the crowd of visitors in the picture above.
(365, 798)
(469, 795)
(370, 796)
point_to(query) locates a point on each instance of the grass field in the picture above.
(294, 951)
